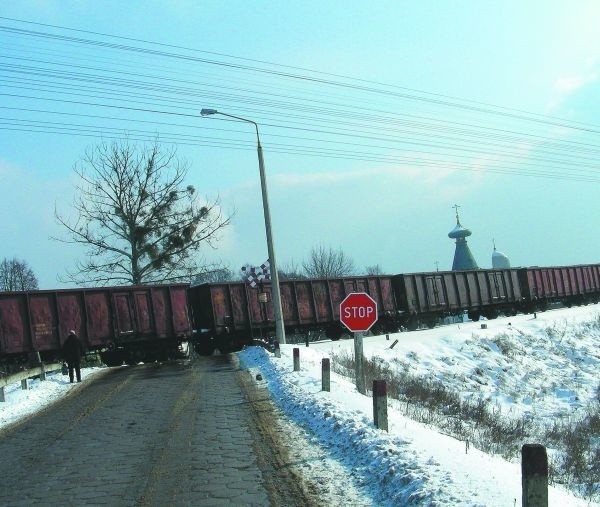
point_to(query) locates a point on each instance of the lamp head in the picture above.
(208, 112)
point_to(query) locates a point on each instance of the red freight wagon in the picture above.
(425, 297)
(229, 315)
(566, 284)
(127, 323)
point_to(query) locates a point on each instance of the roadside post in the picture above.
(380, 417)
(325, 374)
(358, 312)
(534, 475)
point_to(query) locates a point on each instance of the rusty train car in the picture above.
(126, 324)
(228, 316)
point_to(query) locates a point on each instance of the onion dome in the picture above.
(463, 258)
(459, 231)
(499, 260)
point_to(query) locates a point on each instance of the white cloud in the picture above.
(567, 85)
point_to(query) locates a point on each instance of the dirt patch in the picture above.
(286, 486)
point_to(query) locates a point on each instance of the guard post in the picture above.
(534, 475)
(326, 374)
(380, 418)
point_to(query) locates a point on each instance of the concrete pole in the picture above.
(42, 367)
(275, 291)
(296, 359)
(534, 475)
(326, 375)
(277, 349)
(380, 418)
(358, 363)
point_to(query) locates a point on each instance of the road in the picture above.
(196, 432)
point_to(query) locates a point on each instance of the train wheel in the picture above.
(111, 357)
(204, 348)
(431, 322)
(491, 314)
(224, 348)
(412, 324)
(474, 316)
(334, 332)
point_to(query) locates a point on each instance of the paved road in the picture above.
(187, 433)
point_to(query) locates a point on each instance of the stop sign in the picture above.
(358, 312)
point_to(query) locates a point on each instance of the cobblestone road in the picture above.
(189, 433)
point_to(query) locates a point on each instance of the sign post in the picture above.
(358, 312)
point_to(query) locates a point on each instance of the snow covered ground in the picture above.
(22, 403)
(545, 367)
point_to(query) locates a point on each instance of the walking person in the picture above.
(72, 352)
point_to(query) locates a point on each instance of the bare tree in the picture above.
(291, 271)
(137, 219)
(328, 263)
(373, 270)
(218, 274)
(17, 275)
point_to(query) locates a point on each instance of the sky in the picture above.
(349, 462)
(376, 118)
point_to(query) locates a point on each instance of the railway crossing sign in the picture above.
(358, 312)
(254, 275)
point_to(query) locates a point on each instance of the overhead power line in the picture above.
(302, 112)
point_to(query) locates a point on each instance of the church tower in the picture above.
(463, 258)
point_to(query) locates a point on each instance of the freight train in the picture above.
(147, 323)
(125, 324)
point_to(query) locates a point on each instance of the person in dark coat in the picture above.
(72, 352)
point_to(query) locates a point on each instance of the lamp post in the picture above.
(279, 327)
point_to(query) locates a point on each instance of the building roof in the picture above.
(500, 260)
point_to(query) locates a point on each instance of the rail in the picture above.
(23, 376)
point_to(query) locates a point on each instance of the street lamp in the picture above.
(279, 327)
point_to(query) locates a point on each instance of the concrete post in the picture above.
(326, 375)
(534, 475)
(277, 349)
(24, 384)
(296, 359)
(380, 418)
(307, 339)
(358, 363)
(2, 398)
(42, 367)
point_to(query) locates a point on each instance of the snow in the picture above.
(545, 367)
(21, 403)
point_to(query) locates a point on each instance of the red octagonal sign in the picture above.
(358, 312)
